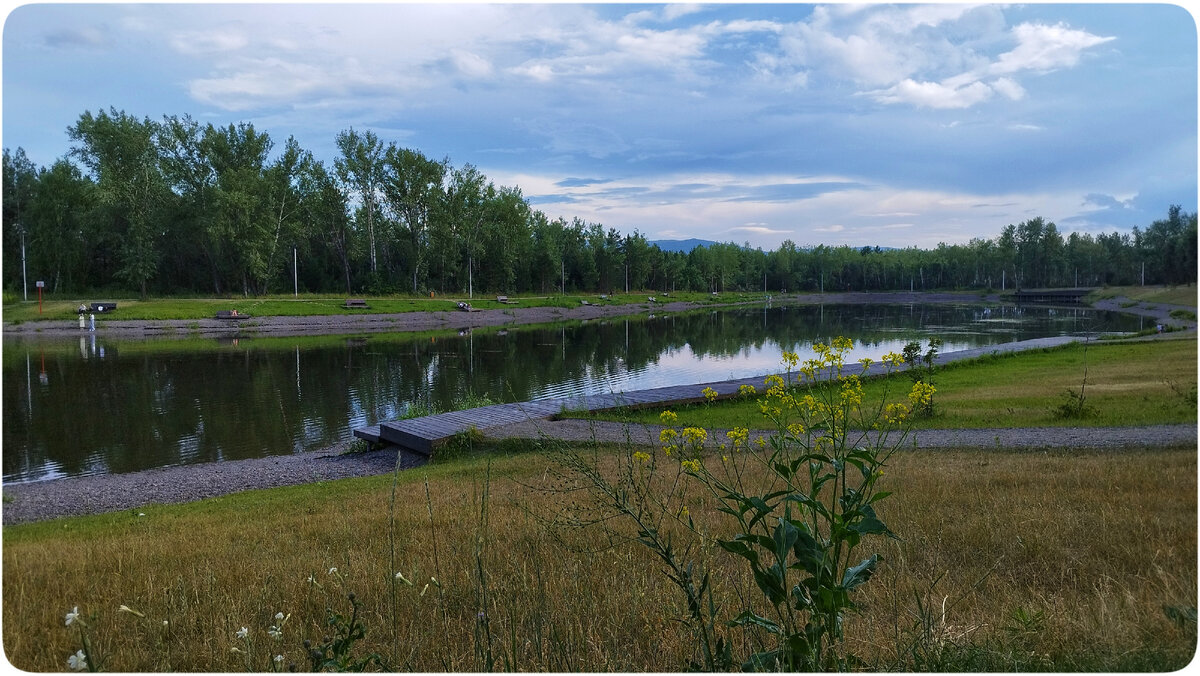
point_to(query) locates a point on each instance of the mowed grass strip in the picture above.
(1095, 544)
(1171, 295)
(1123, 383)
(161, 309)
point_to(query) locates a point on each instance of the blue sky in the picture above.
(839, 124)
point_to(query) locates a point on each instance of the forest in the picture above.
(173, 207)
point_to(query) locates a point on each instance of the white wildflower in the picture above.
(126, 609)
(279, 616)
(242, 633)
(332, 571)
(279, 659)
(78, 661)
(73, 615)
(400, 576)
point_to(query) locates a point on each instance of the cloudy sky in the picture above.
(837, 124)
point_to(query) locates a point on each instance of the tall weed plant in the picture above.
(797, 503)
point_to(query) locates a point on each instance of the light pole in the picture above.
(24, 279)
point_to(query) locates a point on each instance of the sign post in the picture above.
(40, 286)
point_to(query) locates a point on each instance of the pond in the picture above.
(96, 405)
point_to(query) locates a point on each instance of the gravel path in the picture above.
(44, 500)
(115, 492)
(587, 431)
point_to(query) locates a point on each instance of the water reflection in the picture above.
(109, 405)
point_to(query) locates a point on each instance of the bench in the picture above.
(103, 306)
(230, 314)
(356, 303)
(505, 300)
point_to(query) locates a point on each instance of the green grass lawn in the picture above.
(1171, 295)
(1127, 384)
(310, 305)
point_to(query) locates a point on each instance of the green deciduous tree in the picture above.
(122, 155)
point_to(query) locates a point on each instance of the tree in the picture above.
(323, 206)
(58, 221)
(360, 169)
(282, 202)
(412, 188)
(20, 183)
(467, 197)
(241, 229)
(121, 153)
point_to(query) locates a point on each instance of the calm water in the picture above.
(98, 405)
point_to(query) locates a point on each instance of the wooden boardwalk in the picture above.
(426, 434)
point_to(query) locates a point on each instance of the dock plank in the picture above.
(425, 434)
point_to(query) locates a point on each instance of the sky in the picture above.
(875, 125)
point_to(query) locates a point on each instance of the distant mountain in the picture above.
(684, 245)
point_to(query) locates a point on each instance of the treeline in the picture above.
(176, 207)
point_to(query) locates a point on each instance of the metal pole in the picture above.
(295, 275)
(24, 279)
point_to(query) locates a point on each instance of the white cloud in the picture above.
(1009, 88)
(470, 64)
(934, 94)
(759, 230)
(1041, 48)
(209, 41)
(254, 83)
(931, 56)
(674, 11)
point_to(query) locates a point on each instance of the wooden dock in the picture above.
(426, 434)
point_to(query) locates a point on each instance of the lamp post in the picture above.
(24, 279)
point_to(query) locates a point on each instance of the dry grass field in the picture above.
(1006, 561)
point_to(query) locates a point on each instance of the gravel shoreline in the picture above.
(76, 496)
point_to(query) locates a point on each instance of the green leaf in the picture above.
(748, 618)
(770, 581)
(785, 536)
(859, 574)
(741, 549)
(870, 523)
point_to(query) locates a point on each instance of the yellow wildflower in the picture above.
(709, 393)
(922, 394)
(738, 436)
(692, 466)
(668, 417)
(695, 435)
(747, 390)
(641, 455)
